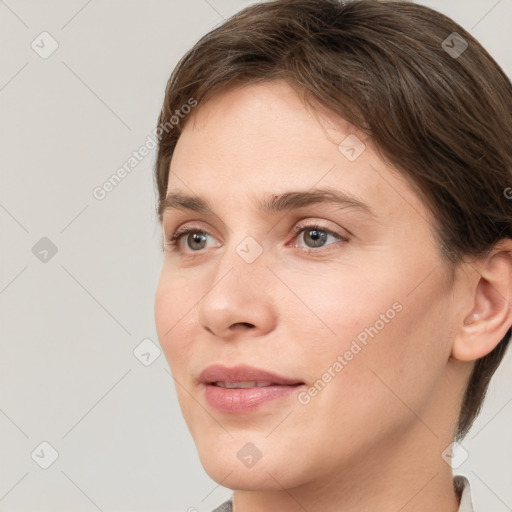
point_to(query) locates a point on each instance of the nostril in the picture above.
(246, 324)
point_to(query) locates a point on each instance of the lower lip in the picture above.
(244, 400)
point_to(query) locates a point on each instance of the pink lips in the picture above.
(222, 391)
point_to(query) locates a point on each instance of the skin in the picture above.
(372, 439)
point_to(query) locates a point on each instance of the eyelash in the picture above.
(174, 239)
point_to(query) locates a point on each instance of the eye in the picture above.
(315, 236)
(195, 239)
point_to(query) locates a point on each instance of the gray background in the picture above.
(70, 324)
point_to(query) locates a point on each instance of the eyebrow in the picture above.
(270, 204)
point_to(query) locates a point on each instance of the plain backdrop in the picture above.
(78, 274)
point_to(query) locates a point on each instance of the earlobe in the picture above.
(490, 317)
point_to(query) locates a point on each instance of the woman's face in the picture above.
(347, 302)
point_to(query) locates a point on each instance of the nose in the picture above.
(239, 300)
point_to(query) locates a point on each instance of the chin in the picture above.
(244, 479)
(225, 468)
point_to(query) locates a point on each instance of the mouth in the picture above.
(248, 384)
(243, 389)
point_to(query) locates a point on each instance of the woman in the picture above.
(335, 291)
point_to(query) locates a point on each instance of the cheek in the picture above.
(173, 302)
(383, 365)
(336, 304)
(371, 317)
(173, 307)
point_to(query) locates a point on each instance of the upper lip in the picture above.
(243, 373)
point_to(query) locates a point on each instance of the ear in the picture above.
(490, 314)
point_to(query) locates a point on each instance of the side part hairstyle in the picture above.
(442, 119)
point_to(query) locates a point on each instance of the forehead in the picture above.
(261, 139)
(272, 112)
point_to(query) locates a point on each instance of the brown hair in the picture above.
(443, 120)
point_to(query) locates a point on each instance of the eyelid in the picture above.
(312, 224)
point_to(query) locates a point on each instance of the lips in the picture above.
(243, 389)
(243, 385)
(242, 375)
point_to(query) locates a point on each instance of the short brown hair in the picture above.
(443, 120)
